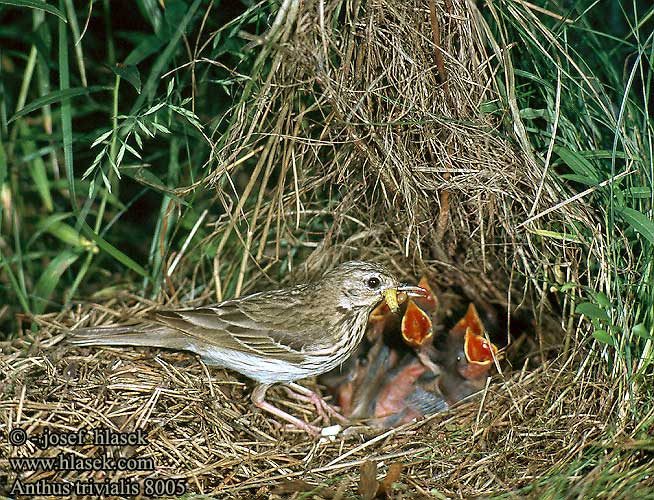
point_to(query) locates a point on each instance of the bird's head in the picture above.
(362, 285)
(475, 356)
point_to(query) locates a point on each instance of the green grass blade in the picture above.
(3, 168)
(50, 277)
(66, 112)
(580, 165)
(638, 221)
(37, 168)
(56, 96)
(592, 311)
(146, 48)
(130, 73)
(74, 26)
(17, 289)
(164, 59)
(36, 4)
(147, 178)
(18, 255)
(66, 233)
(113, 251)
(150, 10)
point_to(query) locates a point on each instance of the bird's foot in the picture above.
(258, 398)
(293, 422)
(324, 409)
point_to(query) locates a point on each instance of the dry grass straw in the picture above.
(354, 109)
(354, 103)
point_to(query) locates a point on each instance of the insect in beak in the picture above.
(390, 295)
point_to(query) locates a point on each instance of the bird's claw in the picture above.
(324, 409)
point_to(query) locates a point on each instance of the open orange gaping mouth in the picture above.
(478, 349)
(416, 325)
(470, 320)
(480, 355)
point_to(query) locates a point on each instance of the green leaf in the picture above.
(143, 50)
(638, 192)
(531, 113)
(556, 236)
(568, 286)
(489, 107)
(101, 138)
(601, 154)
(39, 175)
(638, 221)
(619, 196)
(56, 96)
(604, 337)
(50, 277)
(132, 150)
(37, 169)
(3, 164)
(173, 15)
(591, 311)
(640, 331)
(581, 179)
(119, 158)
(154, 109)
(577, 163)
(147, 178)
(145, 130)
(161, 128)
(130, 73)
(36, 4)
(66, 108)
(15, 284)
(113, 251)
(602, 300)
(150, 10)
(62, 231)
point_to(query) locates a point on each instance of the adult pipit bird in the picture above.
(277, 336)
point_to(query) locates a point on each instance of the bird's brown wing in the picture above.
(252, 326)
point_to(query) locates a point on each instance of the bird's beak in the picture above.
(390, 295)
(413, 291)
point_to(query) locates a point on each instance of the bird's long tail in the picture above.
(146, 334)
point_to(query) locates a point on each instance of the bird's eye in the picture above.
(373, 282)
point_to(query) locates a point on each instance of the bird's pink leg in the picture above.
(324, 409)
(258, 398)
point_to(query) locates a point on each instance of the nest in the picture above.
(200, 427)
(375, 107)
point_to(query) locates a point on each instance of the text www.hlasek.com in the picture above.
(72, 462)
